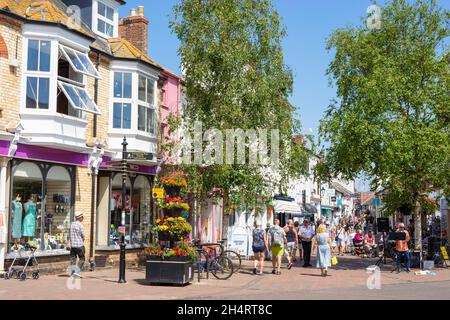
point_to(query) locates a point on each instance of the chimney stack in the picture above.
(134, 28)
(141, 11)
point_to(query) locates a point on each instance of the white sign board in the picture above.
(239, 241)
(330, 193)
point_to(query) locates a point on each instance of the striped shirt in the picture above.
(77, 234)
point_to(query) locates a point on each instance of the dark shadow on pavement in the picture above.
(311, 275)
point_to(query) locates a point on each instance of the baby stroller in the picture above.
(19, 260)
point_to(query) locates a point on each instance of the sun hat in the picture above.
(78, 214)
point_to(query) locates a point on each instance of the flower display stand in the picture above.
(171, 260)
(172, 270)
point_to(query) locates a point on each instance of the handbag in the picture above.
(337, 236)
(334, 261)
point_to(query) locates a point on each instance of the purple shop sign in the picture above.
(39, 153)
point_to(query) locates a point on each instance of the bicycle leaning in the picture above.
(210, 261)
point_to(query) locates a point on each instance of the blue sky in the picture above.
(308, 23)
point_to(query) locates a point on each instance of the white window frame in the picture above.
(92, 109)
(122, 100)
(136, 69)
(37, 74)
(64, 50)
(95, 16)
(53, 80)
(147, 105)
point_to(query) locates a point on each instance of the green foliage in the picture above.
(235, 77)
(391, 118)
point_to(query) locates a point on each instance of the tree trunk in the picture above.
(418, 229)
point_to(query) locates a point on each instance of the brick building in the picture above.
(75, 82)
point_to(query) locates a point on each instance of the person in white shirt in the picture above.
(306, 235)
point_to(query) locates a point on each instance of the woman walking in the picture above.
(299, 241)
(259, 246)
(292, 242)
(341, 239)
(323, 241)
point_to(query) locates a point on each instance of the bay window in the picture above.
(124, 108)
(50, 66)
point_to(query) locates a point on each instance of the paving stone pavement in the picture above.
(348, 280)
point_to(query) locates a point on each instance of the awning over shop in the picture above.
(287, 207)
(340, 188)
(310, 208)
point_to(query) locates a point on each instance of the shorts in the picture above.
(277, 251)
(291, 246)
(341, 242)
(258, 249)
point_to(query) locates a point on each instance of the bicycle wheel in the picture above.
(235, 259)
(201, 260)
(221, 267)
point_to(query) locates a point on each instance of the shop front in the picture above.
(326, 212)
(41, 188)
(42, 201)
(138, 207)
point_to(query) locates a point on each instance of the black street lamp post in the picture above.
(122, 223)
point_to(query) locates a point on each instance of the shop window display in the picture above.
(137, 210)
(58, 208)
(116, 210)
(27, 204)
(41, 221)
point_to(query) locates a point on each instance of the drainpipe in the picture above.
(97, 64)
(94, 172)
(91, 242)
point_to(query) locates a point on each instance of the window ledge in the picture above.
(45, 253)
(53, 116)
(132, 133)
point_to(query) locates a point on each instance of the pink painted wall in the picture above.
(171, 99)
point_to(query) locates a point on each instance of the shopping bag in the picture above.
(334, 261)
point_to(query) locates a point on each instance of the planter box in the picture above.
(173, 270)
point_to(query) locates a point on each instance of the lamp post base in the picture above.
(122, 263)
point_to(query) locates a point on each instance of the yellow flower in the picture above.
(180, 218)
(170, 219)
(158, 220)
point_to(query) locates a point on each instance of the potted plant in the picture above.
(173, 206)
(171, 228)
(173, 183)
(170, 265)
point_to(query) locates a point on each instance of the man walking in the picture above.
(77, 244)
(278, 241)
(306, 234)
(402, 248)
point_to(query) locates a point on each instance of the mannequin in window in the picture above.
(17, 210)
(29, 222)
